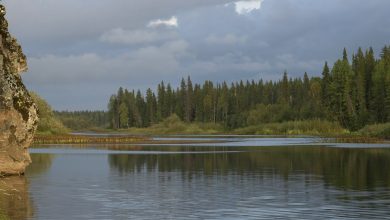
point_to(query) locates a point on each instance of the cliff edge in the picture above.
(18, 113)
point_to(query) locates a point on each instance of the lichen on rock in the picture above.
(18, 113)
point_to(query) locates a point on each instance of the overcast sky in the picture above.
(81, 52)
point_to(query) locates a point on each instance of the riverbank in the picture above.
(174, 126)
(109, 139)
(329, 131)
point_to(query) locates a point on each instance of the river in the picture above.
(247, 177)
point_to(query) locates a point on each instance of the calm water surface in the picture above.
(249, 178)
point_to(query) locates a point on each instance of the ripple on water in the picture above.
(162, 182)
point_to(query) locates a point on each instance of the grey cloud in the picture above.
(121, 36)
(74, 46)
(151, 61)
(228, 39)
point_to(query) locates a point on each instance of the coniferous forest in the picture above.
(354, 92)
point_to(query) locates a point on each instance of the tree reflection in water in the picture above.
(355, 169)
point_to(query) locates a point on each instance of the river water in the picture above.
(245, 178)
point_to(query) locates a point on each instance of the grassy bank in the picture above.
(77, 139)
(381, 131)
(119, 141)
(174, 126)
(376, 133)
(308, 127)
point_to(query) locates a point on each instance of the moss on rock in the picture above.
(18, 113)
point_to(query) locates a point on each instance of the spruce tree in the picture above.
(325, 83)
(369, 68)
(285, 90)
(345, 55)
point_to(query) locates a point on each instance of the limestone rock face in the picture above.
(18, 113)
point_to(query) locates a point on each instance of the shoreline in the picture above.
(84, 138)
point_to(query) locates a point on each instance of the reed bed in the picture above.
(358, 140)
(78, 139)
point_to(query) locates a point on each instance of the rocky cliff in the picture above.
(18, 113)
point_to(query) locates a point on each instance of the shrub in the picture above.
(47, 122)
(309, 127)
(376, 130)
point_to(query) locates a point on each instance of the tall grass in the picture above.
(376, 130)
(308, 127)
(78, 139)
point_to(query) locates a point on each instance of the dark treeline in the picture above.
(79, 120)
(353, 92)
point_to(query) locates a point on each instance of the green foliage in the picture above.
(174, 125)
(309, 127)
(48, 123)
(352, 94)
(376, 130)
(83, 120)
(171, 124)
(269, 113)
(123, 115)
(218, 103)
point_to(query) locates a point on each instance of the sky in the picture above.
(80, 52)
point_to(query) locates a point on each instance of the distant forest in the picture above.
(81, 120)
(352, 92)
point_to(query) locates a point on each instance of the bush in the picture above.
(173, 125)
(309, 127)
(269, 113)
(376, 130)
(48, 124)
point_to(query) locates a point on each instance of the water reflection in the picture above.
(40, 163)
(15, 202)
(355, 169)
(184, 182)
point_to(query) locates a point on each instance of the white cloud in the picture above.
(122, 36)
(245, 7)
(228, 39)
(172, 22)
